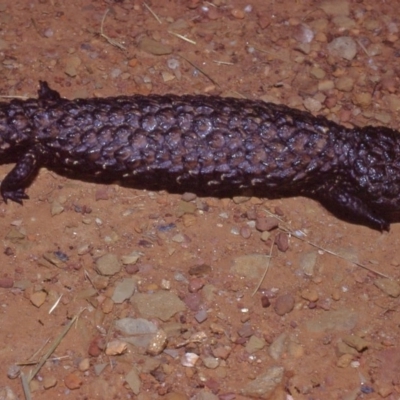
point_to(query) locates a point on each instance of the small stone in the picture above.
(131, 258)
(108, 265)
(95, 347)
(282, 241)
(245, 232)
(133, 381)
(71, 66)
(356, 342)
(195, 284)
(189, 359)
(56, 208)
(255, 344)
(210, 362)
(49, 382)
(38, 298)
(310, 295)
(84, 365)
(265, 302)
(116, 347)
(6, 283)
(222, 352)
(344, 47)
(187, 196)
(13, 372)
(345, 84)
(344, 360)
(157, 343)
(200, 270)
(388, 286)
(238, 14)
(153, 47)
(201, 316)
(266, 224)
(284, 304)
(73, 381)
(265, 385)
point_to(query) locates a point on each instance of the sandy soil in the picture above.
(323, 323)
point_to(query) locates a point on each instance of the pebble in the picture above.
(38, 298)
(153, 47)
(210, 362)
(161, 304)
(96, 346)
(266, 224)
(188, 196)
(337, 320)
(201, 316)
(133, 381)
(116, 347)
(251, 266)
(356, 342)
(255, 344)
(278, 346)
(282, 241)
(189, 359)
(245, 232)
(309, 294)
(84, 364)
(108, 265)
(6, 283)
(72, 64)
(49, 382)
(13, 372)
(195, 284)
(222, 352)
(284, 304)
(344, 360)
(344, 47)
(124, 290)
(56, 208)
(73, 381)
(157, 343)
(238, 14)
(265, 384)
(200, 270)
(131, 258)
(388, 286)
(307, 262)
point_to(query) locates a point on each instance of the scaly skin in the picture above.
(205, 144)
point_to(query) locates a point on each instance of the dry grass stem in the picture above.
(109, 40)
(54, 306)
(182, 37)
(153, 13)
(200, 70)
(265, 271)
(52, 347)
(299, 235)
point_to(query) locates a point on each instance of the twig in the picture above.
(297, 234)
(182, 37)
(153, 13)
(200, 70)
(265, 271)
(109, 40)
(53, 346)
